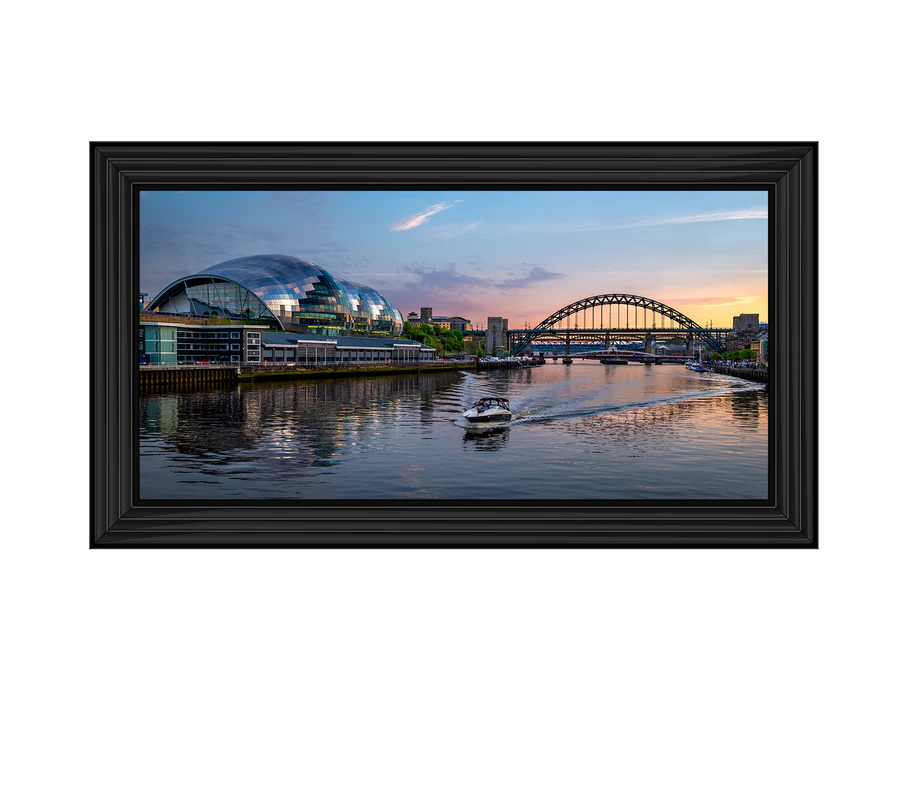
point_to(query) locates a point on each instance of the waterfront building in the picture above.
(283, 292)
(439, 321)
(737, 342)
(760, 346)
(314, 349)
(452, 323)
(458, 323)
(186, 343)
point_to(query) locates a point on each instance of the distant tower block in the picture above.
(426, 314)
(496, 335)
(745, 322)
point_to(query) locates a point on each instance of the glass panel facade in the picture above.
(374, 315)
(281, 287)
(160, 344)
(211, 297)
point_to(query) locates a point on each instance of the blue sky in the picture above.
(520, 254)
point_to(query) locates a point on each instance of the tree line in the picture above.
(443, 340)
(733, 356)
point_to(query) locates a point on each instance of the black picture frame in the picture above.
(788, 171)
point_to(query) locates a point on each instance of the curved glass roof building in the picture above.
(296, 294)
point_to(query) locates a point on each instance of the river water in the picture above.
(582, 431)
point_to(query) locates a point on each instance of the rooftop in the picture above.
(204, 326)
(287, 338)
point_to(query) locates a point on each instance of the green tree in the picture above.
(451, 341)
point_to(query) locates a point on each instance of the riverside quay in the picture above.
(162, 343)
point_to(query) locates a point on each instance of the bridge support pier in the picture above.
(568, 343)
(648, 343)
(689, 345)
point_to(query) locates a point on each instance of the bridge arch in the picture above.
(619, 299)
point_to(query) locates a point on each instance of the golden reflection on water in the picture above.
(584, 431)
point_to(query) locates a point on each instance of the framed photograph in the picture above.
(453, 345)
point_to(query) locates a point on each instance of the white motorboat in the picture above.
(488, 411)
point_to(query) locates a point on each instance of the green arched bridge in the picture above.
(602, 319)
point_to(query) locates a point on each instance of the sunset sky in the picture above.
(519, 254)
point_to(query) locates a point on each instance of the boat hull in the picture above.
(487, 411)
(481, 419)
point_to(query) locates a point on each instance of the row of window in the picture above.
(313, 354)
(209, 335)
(158, 346)
(202, 358)
(215, 346)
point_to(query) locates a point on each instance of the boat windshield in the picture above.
(492, 402)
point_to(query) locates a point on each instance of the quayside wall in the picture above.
(162, 376)
(760, 374)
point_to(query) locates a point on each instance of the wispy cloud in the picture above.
(417, 220)
(589, 225)
(536, 274)
(725, 270)
(710, 301)
(727, 215)
(370, 274)
(449, 281)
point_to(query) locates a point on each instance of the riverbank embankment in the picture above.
(759, 374)
(277, 373)
(155, 376)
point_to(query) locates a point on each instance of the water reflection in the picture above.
(655, 429)
(199, 422)
(479, 441)
(747, 407)
(321, 413)
(580, 430)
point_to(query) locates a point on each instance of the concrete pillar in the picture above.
(689, 346)
(648, 343)
(568, 342)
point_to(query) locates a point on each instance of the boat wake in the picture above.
(534, 409)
